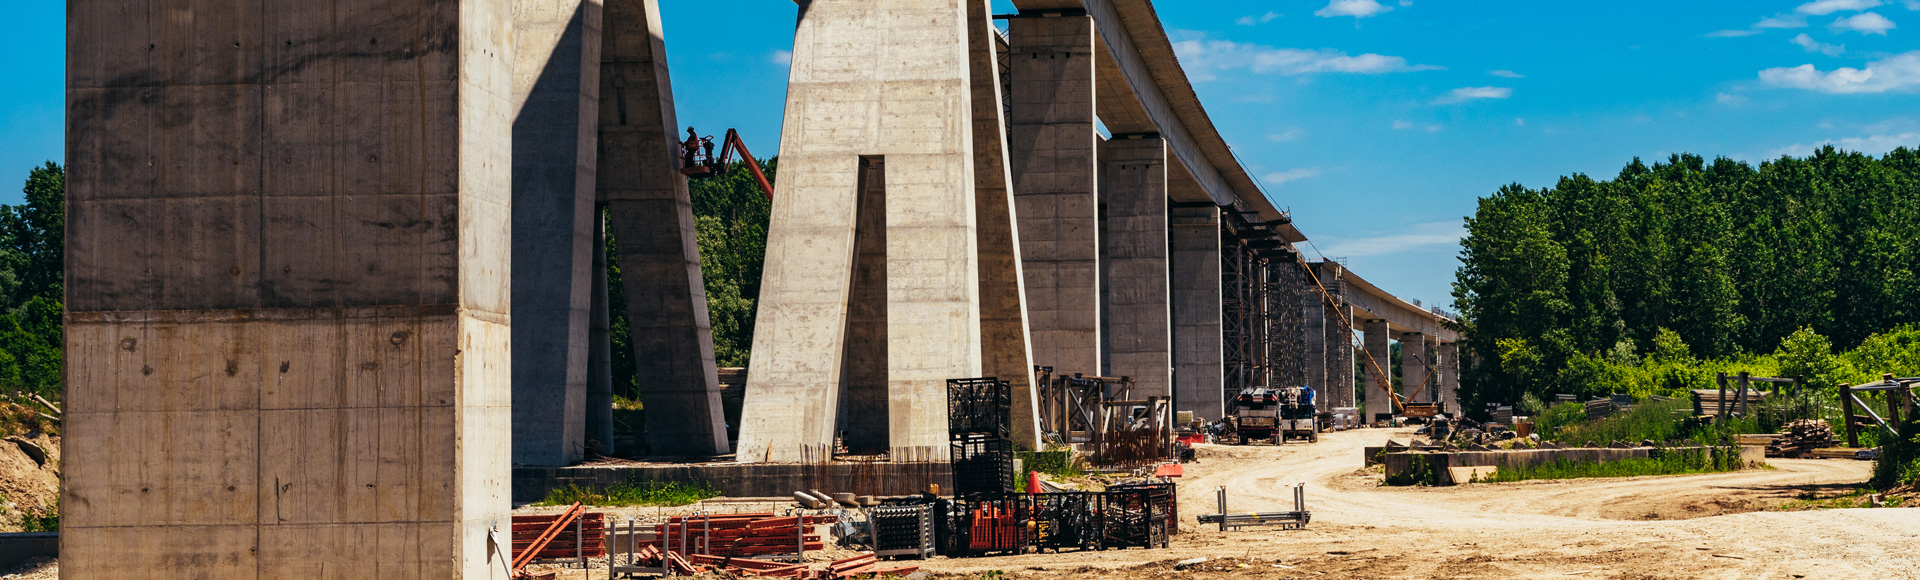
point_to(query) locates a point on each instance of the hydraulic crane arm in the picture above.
(726, 155)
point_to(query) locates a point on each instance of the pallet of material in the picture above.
(1707, 401)
(591, 542)
(1842, 453)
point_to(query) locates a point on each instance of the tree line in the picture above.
(1715, 260)
(32, 268)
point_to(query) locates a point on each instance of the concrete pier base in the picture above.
(1413, 367)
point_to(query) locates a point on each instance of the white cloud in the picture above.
(1825, 7)
(1354, 8)
(1406, 3)
(1871, 145)
(1519, 122)
(1807, 42)
(1464, 94)
(1250, 20)
(782, 57)
(1284, 136)
(1729, 99)
(1201, 57)
(1279, 177)
(1913, 5)
(1777, 21)
(1403, 124)
(1864, 23)
(1507, 74)
(1899, 72)
(1782, 21)
(1412, 237)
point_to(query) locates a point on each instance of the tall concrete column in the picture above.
(1193, 236)
(652, 221)
(1432, 392)
(1338, 338)
(287, 286)
(1448, 378)
(869, 84)
(1376, 336)
(1005, 335)
(1413, 366)
(556, 81)
(1051, 140)
(1313, 314)
(1139, 319)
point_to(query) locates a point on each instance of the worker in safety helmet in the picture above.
(1306, 395)
(690, 148)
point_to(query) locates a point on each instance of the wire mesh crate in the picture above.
(980, 405)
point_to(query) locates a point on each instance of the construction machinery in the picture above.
(697, 160)
(1274, 415)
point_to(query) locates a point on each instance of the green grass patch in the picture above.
(1658, 421)
(1054, 463)
(646, 493)
(1665, 462)
(1853, 499)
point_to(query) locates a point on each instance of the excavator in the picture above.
(697, 160)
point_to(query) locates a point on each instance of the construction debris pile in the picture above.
(748, 543)
(1800, 438)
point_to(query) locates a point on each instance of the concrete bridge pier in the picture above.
(289, 243)
(1052, 145)
(1194, 242)
(1139, 320)
(1376, 338)
(887, 89)
(556, 78)
(651, 216)
(1413, 366)
(1447, 381)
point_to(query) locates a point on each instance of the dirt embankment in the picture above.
(29, 477)
(1629, 528)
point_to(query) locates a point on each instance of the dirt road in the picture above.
(1631, 528)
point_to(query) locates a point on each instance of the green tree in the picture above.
(32, 237)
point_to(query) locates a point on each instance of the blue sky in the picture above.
(1377, 122)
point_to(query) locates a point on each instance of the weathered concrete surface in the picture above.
(1375, 335)
(288, 256)
(1198, 345)
(889, 82)
(1052, 142)
(1413, 366)
(1448, 379)
(745, 480)
(1139, 332)
(600, 347)
(556, 80)
(1005, 336)
(652, 221)
(1431, 390)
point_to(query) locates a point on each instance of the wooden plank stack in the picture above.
(737, 535)
(1801, 438)
(1707, 401)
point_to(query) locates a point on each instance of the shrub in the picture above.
(645, 493)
